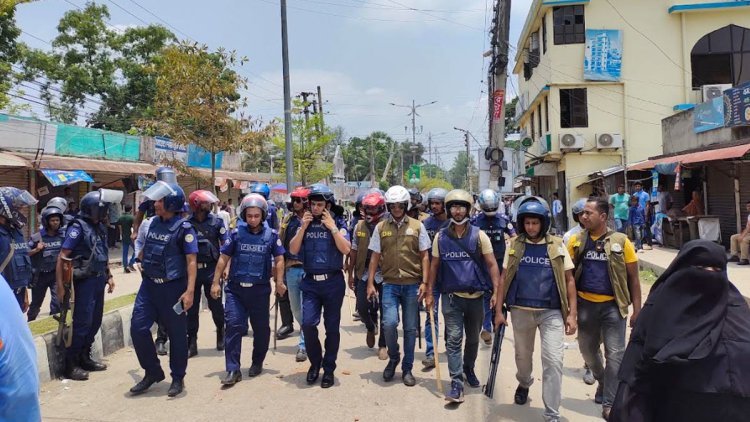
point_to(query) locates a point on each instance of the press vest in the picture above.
(534, 284)
(18, 272)
(46, 260)
(162, 256)
(251, 260)
(616, 268)
(461, 268)
(288, 229)
(209, 233)
(401, 261)
(556, 255)
(495, 228)
(319, 251)
(91, 254)
(364, 234)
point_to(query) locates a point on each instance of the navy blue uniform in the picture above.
(88, 245)
(433, 226)
(248, 290)
(272, 219)
(18, 270)
(323, 287)
(45, 263)
(211, 236)
(164, 281)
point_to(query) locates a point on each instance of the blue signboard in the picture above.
(709, 115)
(66, 177)
(737, 106)
(603, 58)
(199, 157)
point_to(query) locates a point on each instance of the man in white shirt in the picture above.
(740, 243)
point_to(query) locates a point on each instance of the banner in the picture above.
(166, 149)
(602, 60)
(498, 100)
(737, 106)
(709, 115)
(66, 177)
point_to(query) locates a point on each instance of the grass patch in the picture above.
(49, 324)
(648, 277)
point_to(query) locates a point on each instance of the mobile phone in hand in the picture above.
(178, 308)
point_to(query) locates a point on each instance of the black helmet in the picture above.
(49, 212)
(534, 209)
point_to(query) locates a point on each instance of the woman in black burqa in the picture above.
(689, 353)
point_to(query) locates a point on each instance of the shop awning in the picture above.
(57, 162)
(726, 153)
(66, 177)
(10, 160)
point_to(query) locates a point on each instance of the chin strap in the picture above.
(459, 223)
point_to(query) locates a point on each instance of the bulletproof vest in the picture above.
(401, 261)
(209, 233)
(162, 255)
(251, 261)
(320, 254)
(91, 254)
(46, 260)
(495, 228)
(271, 217)
(461, 263)
(363, 232)
(18, 272)
(534, 284)
(433, 225)
(354, 221)
(594, 275)
(288, 229)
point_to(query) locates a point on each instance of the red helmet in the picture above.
(197, 197)
(373, 205)
(300, 192)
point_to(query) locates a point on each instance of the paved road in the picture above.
(281, 394)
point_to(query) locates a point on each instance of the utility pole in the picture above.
(468, 156)
(413, 115)
(429, 150)
(287, 101)
(306, 111)
(372, 164)
(320, 110)
(499, 71)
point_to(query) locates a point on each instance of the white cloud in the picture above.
(465, 13)
(374, 91)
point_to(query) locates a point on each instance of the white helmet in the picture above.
(490, 204)
(396, 195)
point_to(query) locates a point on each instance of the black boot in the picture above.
(192, 347)
(89, 364)
(145, 383)
(73, 369)
(220, 338)
(176, 388)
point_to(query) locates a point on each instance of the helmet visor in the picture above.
(159, 190)
(110, 195)
(206, 196)
(18, 197)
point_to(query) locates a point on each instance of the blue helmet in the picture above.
(11, 200)
(49, 212)
(534, 209)
(320, 192)
(262, 189)
(166, 174)
(171, 193)
(95, 205)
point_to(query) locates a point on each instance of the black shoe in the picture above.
(471, 378)
(408, 379)
(73, 369)
(161, 349)
(312, 374)
(371, 339)
(284, 332)
(232, 378)
(599, 395)
(390, 370)
(144, 384)
(127, 270)
(743, 262)
(254, 370)
(176, 388)
(89, 364)
(220, 339)
(327, 381)
(192, 347)
(521, 396)
(734, 258)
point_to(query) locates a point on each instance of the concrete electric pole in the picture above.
(287, 101)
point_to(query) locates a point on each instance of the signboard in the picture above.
(165, 149)
(737, 106)
(199, 157)
(414, 174)
(709, 115)
(66, 177)
(603, 58)
(498, 100)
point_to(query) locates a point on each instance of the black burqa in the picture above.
(689, 353)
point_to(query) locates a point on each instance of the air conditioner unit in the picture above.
(608, 141)
(714, 91)
(571, 142)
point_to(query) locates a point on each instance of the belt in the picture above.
(324, 277)
(247, 284)
(202, 265)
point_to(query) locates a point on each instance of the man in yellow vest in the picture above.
(402, 242)
(607, 281)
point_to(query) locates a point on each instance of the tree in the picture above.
(511, 126)
(426, 183)
(359, 151)
(9, 48)
(461, 164)
(197, 102)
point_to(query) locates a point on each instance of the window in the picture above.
(546, 113)
(722, 57)
(539, 116)
(531, 121)
(544, 34)
(534, 50)
(573, 108)
(569, 25)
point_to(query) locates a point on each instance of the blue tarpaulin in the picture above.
(66, 177)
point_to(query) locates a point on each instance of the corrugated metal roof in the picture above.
(11, 160)
(695, 157)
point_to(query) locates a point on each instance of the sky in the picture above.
(364, 54)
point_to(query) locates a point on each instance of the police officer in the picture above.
(323, 240)
(45, 247)
(167, 289)
(433, 224)
(463, 260)
(211, 236)
(493, 221)
(264, 190)
(415, 199)
(15, 263)
(293, 263)
(251, 247)
(61, 204)
(537, 285)
(86, 245)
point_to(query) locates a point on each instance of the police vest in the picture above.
(433, 226)
(364, 233)
(556, 256)
(209, 233)
(319, 251)
(289, 227)
(18, 272)
(461, 260)
(91, 254)
(162, 256)
(353, 222)
(534, 284)
(616, 271)
(251, 260)
(46, 260)
(495, 228)
(401, 260)
(271, 217)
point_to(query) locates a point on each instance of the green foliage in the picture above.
(457, 175)
(426, 183)
(9, 32)
(510, 116)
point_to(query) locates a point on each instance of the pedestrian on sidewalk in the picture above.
(740, 243)
(402, 242)
(537, 285)
(433, 224)
(126, 230)
(323, 240)
(44, 248)
(637, 221)
(558, 214)
(607, 282)
(687, 359)
(463, 260)
(252, 247)
(620, 202)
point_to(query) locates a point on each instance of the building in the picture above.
(596, 78)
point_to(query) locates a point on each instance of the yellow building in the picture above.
(596, 78)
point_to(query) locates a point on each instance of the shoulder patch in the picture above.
(343, 231)
(616, 247)
(74, 233)
(189, 238)
(223, 229)
(278, 242)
